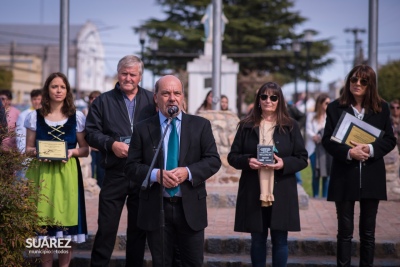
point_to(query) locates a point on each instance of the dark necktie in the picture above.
(173, 154)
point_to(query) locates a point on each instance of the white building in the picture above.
(23, 43)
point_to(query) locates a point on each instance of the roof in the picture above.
(35, 34)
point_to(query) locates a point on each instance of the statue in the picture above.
(207, 20)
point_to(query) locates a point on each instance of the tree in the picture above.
(258, 36)
(388, 78)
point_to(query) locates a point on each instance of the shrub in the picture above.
(18, 211)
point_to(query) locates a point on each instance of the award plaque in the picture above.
(358, 135)
(349, 128)
(52, 150)
(265, 154)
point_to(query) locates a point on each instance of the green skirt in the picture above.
(62, 195)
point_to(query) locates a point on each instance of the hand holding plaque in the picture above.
(52, 150)
(265, 154)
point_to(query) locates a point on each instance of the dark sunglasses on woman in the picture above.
(363, 82)
(273, 98)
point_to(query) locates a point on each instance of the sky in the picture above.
(116, 18)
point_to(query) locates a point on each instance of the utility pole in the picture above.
(373, 35)
(64, 36)
(357, 44)
(216, 55)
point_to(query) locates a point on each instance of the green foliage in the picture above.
(388, 79)
(18, 210)
(6, 78)
(258, 36)
(307, 180)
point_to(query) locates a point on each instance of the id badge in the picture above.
(125, 139)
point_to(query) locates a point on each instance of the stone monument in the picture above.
(200, 70)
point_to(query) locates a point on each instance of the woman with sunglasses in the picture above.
(319, 159)
(358, 172)
(267, 194)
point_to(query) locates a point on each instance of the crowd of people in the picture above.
(147, 155)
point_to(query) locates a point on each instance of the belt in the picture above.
(172, 199)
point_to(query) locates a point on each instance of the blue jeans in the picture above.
(96, 168)
(258, 251)
(315, 179)
(298, 178)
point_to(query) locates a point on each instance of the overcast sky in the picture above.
(115, 19)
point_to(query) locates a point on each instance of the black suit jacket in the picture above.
(198, 152)
(346, 179)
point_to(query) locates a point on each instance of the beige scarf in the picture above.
(266, 175)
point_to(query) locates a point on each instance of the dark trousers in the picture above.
(177, 235)
(113, 195)
(345, 215)
(96, 167)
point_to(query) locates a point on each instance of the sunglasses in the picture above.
(273, 98)
(393, 107)
(363, 82)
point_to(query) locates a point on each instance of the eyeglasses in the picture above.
(394, 107)
(273, 98)
(363, 82)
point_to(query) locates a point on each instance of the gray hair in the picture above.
(130, 61)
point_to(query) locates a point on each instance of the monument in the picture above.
(200, 69)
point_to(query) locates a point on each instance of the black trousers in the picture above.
(116, 191)
(178, 238)
(367, 223)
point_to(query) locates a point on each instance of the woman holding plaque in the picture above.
(60, 181)
(267, 194)
(358, 171)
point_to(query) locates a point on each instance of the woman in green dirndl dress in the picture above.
(59, 181)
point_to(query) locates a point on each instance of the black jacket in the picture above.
(346, 179)
(285, 209)
(108, 121)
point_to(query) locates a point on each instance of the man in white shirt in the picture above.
(36, 101)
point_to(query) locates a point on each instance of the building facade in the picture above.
(32, 52)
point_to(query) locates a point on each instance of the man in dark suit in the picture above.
(186, 210)
(108, 128)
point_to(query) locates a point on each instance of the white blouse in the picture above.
(30, 121)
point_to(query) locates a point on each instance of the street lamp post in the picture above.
(142, 39)
(296, 49)
(154, 47)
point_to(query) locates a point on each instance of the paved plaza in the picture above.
(318, 221)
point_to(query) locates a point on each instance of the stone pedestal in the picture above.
(200, 70)
(224, 125)
(92, 190)
(392, 174)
